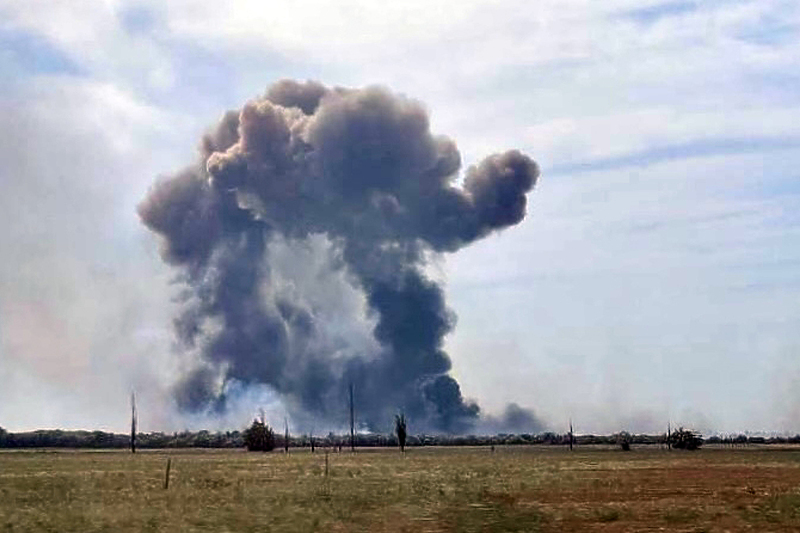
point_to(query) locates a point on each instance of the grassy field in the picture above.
(428, 489)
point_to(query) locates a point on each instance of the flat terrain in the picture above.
(429, 489)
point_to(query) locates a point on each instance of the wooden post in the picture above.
(166, 475)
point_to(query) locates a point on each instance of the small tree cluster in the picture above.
(259, 437)
(400, 429)
(685, 439)
(624, 440)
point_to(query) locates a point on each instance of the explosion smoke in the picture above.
(359, 171)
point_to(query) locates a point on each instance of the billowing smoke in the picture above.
(514, 419)
(351, 175)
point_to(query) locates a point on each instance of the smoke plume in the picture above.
(514, 419)
(353, 176)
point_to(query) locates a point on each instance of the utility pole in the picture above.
(286, 435)
(133, 422)
(352, 422)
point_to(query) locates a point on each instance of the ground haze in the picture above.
(518, 488)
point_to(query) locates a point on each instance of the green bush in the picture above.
(400, 429)
(259, 437)
(685, 439)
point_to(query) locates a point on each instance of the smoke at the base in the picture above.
(356, 177)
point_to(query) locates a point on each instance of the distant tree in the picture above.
(624, 440)
(400, 429)
(259, 437)
(571, 436)
(685, 439)
(2, 437)
(202, 439)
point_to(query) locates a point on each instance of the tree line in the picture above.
(56, 438)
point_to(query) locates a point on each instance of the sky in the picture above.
(655, 278)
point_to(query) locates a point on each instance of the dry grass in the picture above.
(428, 489)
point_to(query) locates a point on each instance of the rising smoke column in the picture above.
(360, 170)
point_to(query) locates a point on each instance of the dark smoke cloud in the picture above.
(514, 419)
(359, 169)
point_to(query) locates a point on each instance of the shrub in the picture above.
(624, 440)
(400, 429)
(685, 439)
(259, 437)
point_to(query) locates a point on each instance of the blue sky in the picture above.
(656, 275)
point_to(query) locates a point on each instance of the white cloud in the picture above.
(583, 139)
(82, 307)
(665, 288)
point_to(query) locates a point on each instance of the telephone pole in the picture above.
(286, 435)
(133, 422)
(352, 422)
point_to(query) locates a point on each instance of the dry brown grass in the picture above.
(427, 489)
